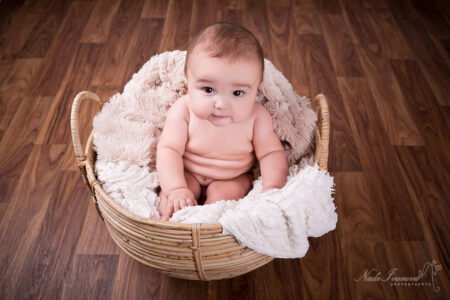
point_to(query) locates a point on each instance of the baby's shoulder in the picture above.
(179, 109)
(261, 113)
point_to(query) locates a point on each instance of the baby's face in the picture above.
(221, 91)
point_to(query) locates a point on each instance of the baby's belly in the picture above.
(206, 169)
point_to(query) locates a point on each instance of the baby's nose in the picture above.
(220, 102)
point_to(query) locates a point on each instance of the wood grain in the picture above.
(94, 238)
(383, 66)
(19, 78)
(378, 157)
(146, 39)
(62, 51)
(136, 281)
(318, 68)
(97, 28)
(115, 49)
(15, 151)
(423, 106)
(389, 36)
(342, 51)
(356, 17)
(154, 9)
(45, 266)
(202, 16)
(175, 34)
(50, 20)
(359, 235)
(24, 218)
(83, 283)
(431, 62)
(389, 98)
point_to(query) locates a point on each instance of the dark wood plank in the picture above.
(254, 18)
(278, 279)
(19, 79)
(443, 7)
(377, 158)
(41, 38)
(175, 34)
(94, 238)
(434, 20)
(222, 289)
(8, 9)
(225, 14)
(98, 26)
(330, 7)
(407, 259)
(91, 277)
(318, 67)
(433, 66)
(443, 46)
(56, 127)
(356, 17)
(15, 151)
(22, 220)
(154, 9)
(319, 267)
(145, 40)
(52, 252)
(61, 54)
(202, 16)
(389, 99)
(445, 111)
(13, 39)
(306, 17)
(136, 281)
(284, 39)
(174, 288)
(342, 52)
(428, 187)
(112, 62)
(360, 238)
(423, 106)
(389, 36)
(8, 107)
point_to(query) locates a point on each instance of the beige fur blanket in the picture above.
(127, 130)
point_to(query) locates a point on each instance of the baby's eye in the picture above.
(238, 93)
(208, 90)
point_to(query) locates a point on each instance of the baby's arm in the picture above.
(169, 162)
(269, 151)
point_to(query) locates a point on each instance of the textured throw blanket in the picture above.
(276, 223)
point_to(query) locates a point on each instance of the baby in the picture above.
(213, 134)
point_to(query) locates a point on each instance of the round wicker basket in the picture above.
(188, 251)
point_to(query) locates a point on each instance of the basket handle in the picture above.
(321, 108)
(79, 98)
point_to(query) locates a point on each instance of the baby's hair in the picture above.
(227, 40)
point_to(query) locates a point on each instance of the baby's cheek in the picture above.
(243, 112)
(202, 111)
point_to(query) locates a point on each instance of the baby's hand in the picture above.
(180, 198)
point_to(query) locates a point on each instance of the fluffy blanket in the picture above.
(276, 223)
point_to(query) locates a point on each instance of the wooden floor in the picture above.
(384, 66)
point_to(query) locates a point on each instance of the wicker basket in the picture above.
(188, 251)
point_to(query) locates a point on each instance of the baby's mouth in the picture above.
(219, 116)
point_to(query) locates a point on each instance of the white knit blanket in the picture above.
(276, 223)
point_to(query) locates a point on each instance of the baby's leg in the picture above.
(232, 189)
(165, 210)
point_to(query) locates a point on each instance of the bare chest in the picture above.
(229, 142)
